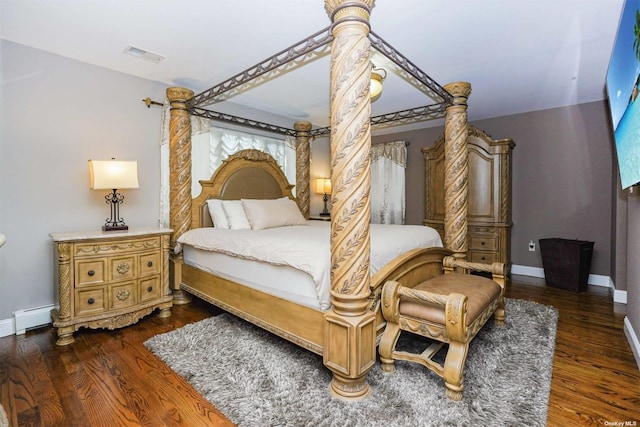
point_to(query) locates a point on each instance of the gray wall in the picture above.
(562, 177)
(632, 268)
(56, 114)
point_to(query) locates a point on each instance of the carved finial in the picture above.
(333, 7)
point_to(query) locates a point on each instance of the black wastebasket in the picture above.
(566, 263)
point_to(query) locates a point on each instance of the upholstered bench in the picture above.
(450, 309)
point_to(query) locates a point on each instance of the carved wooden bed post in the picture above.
(456, 170)
(303, 174)
(349, 343)
(180, 181)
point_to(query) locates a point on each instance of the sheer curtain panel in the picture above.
(388, 164)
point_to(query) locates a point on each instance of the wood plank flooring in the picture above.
(108, 378)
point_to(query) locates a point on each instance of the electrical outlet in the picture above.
(532, 246)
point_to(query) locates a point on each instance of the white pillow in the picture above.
(272, 213)
(218, 216)
(235, 215)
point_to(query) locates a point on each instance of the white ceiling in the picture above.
(519, 55)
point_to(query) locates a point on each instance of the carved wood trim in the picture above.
(64, 279)
(456, 169)
(303, 167)
(349, 344)
(179, 162)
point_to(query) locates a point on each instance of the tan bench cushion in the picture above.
(480, 291)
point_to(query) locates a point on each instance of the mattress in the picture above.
(292, 255)
(280, 280)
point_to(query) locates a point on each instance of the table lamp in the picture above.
(323, 186)
(113, 175)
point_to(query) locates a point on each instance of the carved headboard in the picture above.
(247, 174)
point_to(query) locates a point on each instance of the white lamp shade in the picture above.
(323, 185)
(112, 174)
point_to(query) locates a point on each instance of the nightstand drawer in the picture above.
(483, 257)
(121, 246)
(484, 243)
(123, 295)
(90, 301)
(122, 268)
(90, 272)
(149, 288)
(149, 264)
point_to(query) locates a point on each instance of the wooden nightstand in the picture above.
(110, 279)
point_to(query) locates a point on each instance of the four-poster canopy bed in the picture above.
(347, 332)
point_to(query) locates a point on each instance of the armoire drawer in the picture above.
(483, 257)
(483, 243)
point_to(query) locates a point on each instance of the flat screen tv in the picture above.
(623, 90)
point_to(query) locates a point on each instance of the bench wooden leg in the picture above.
(453, 369)
(387, 345)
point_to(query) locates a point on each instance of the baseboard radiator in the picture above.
(32, 318)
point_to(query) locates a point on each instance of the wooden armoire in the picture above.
(489, 210)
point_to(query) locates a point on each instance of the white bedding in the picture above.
(307, 247)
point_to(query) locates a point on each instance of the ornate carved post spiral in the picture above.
(64, 279)
(303, 166)
(166, 290)
(350, 327)
(456, 170)
(180, 178)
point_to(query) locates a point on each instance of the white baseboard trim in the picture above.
(26, 319)
(523, 270)
(594, 279)
(6, 327)
(32, 318)
(619, 296)
(632, 337)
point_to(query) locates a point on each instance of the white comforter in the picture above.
(307, 247)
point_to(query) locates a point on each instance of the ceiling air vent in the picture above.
(144, 54)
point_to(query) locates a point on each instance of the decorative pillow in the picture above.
(218, 216)
(272, 213)
(235, 215)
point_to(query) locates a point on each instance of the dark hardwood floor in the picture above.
(108, 378)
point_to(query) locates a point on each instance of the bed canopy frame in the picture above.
(349, 350)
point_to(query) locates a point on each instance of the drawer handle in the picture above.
(123, 268)
(91, 272)
(149, 289)
(482, 243)
(150, 264)
(91, 300)
(484, 258)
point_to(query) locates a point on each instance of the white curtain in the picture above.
(164, 166)
(209, 147)
(225, 142)
(388, 164)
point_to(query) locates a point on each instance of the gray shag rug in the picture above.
(258, 379)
